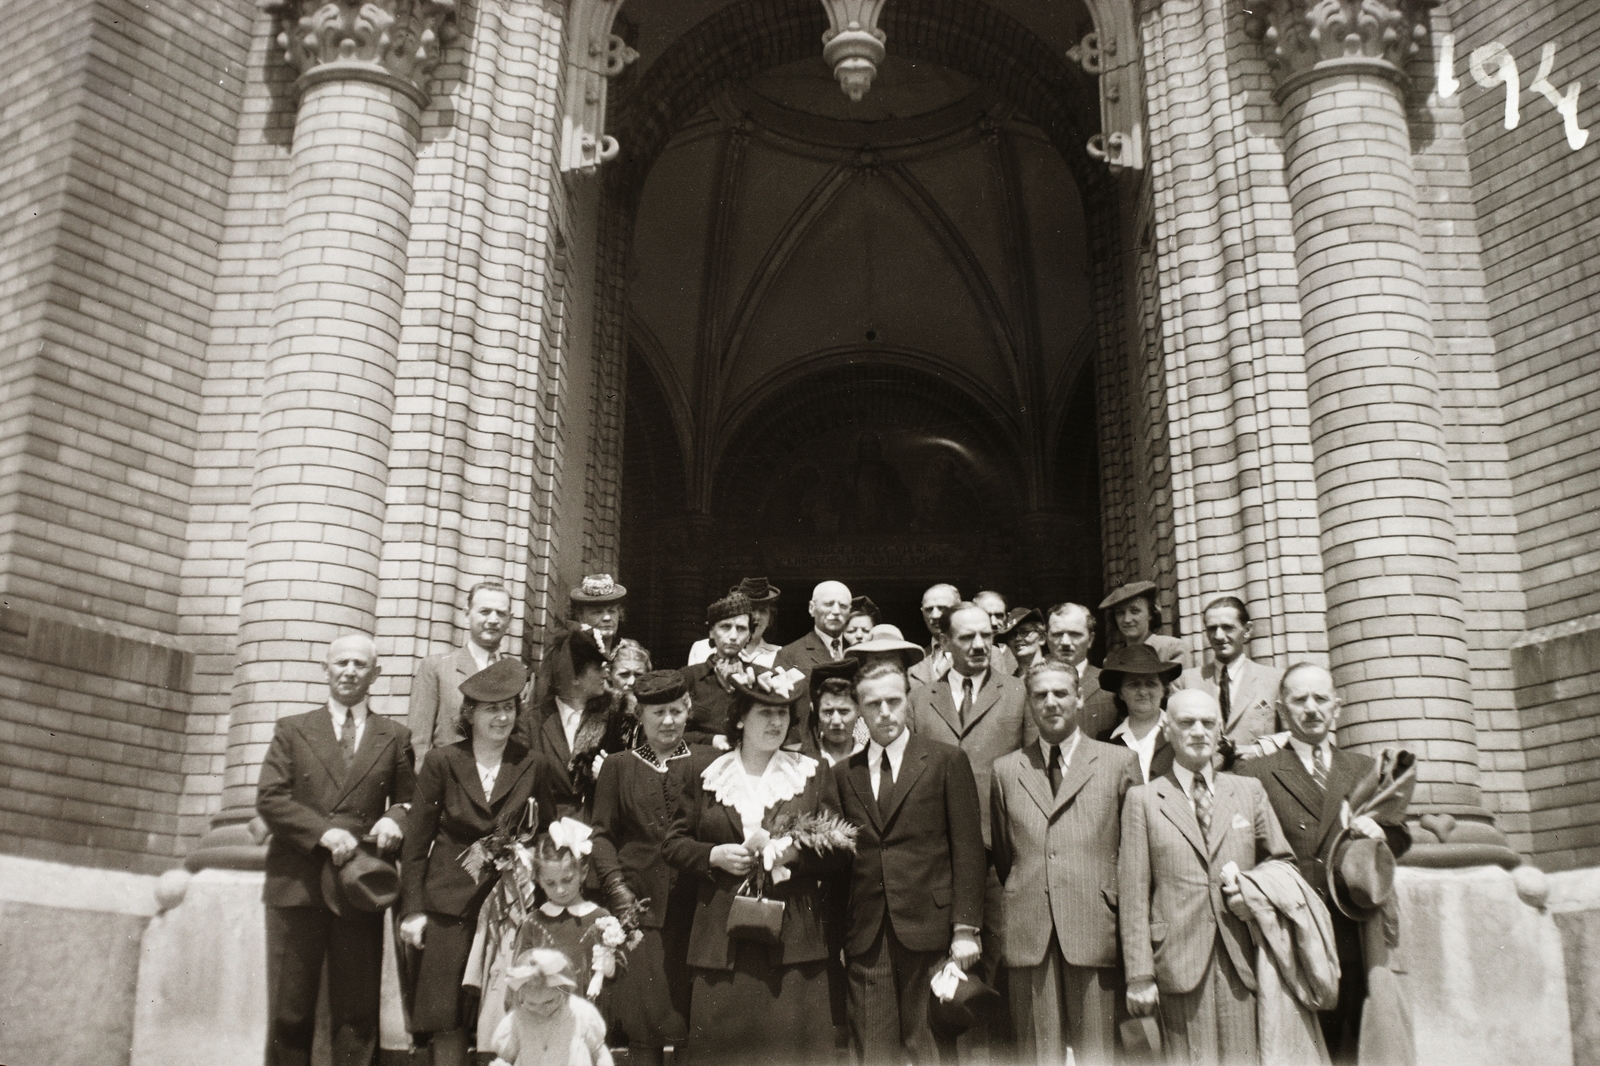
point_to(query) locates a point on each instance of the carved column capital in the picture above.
(1306, 39)
(392, 42)
(853, 44)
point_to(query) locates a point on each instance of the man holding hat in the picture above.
(763, 597)
(332, 777)
(1132, 613)
(1306, 784)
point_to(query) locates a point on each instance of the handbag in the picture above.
(754, 917)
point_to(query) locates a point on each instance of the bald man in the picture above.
(332, 776)
(830, 610)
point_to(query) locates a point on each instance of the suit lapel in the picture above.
(1180, 812)
(1077, 775)
(319, 731)
(939, 693)
(860, 778)
(1225, 805)
(911, 767)
(1035, 782)
(507, 780)
(1341, 778)
(465, 667)
(465, 768)
(556, 736)
(1291, 774)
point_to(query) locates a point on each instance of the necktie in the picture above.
(1319, 767)
(837, 648)
(885, 785)
(1202, 804)
(347, 739)
(966, 701)
(1223, 696)
(1055, 768)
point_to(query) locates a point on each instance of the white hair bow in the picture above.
(573, 835)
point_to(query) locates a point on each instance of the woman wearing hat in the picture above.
(711, 692)
(755, 1000)
(1139, 684)
(637, 797)
(1023, 632)
(763, 597)
(1131, 612)
(864, 614)
(465, 791)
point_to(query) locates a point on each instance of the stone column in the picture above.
(1396, 635)
(327, 398)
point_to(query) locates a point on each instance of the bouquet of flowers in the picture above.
(508, 852)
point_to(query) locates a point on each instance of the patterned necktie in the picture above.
(836, 646)
(1319, 767)
(1202, 804)
(966, 701)
(347, 739)
(1224, 699)
(1055, 768)
(885, 785)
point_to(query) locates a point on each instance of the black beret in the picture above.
(499, 681)
(659, 686)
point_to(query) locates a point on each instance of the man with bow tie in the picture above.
(332, 776)
(1055, 815)
(1187, 950)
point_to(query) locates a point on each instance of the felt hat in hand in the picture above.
(363, 883)
(972, 1001)
(1360, 875)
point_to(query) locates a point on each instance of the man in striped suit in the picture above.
(1056, 809)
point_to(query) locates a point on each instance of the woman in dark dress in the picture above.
(637, 797)
(465, 791)
(755, 1002)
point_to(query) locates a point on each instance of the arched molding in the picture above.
(995, 423)
(643, 341)
(1112, 54)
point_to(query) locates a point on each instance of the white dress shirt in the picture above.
(897, 754)
(1303, 750)
(1068, 747)
(1145, 749)
(487, 775)
(570, 717)
(341, 714)
(1185, 778)
(482, 657)
(955, 681)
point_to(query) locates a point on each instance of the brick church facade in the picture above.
(314, 314)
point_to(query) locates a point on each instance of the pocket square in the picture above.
(1241, 822)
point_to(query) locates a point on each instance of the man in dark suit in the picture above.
(435, 704)
(332, 776)
(1306, 784)
(824, 643)
(916, 886)
(1056, 811)
(1186, 945)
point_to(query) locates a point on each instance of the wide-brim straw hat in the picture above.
(1135, 659)
(886, 639)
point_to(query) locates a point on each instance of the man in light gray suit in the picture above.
(1246, 691)
(1056, 811)
(1186, 946)
(435, 702)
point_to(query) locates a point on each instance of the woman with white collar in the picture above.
(758, 992)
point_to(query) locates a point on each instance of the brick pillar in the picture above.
(327, 398)
(1396, 635)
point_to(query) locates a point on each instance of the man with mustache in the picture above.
(1306, 784)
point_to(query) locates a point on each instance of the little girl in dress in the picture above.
(545, 1023)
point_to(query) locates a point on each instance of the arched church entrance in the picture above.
(861, 335)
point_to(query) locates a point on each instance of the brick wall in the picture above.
(113, 214)
(1537, 207)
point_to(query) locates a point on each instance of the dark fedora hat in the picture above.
(845, 669)
(1138, 658)
(1124, 593)
(364, 883)
(598, 588)
(1360, 875)
(972, 1001)
(1015, 618)
(497, 681)
(758, 590)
